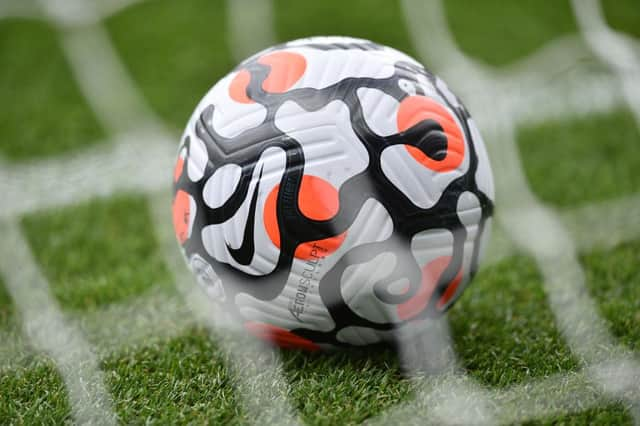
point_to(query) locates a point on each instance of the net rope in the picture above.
(501, 99)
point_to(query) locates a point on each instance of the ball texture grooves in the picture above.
(331, 191)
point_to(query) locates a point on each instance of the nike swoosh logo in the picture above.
(244, 253)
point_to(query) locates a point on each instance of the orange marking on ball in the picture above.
(177, 170)
(286, 69)
(238, 87)
(431, 272)
(317, 200)
(415, 109)
(450, 291)
(181, 211)
(270, 218)
(279, 336)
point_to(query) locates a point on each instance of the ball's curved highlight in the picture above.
(331, 192)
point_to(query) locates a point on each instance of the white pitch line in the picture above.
(49, 331)
(251, 27)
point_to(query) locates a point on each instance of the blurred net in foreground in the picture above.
(499, 100)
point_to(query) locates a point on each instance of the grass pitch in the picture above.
(104, 252)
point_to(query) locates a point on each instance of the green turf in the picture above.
(499, 32)
(185, 379)
(176, 55)
(378, 20)
(34, 395)
(97, 253)
(615, 414)
(588, 159)
(43, 111)
(613, 278)
(181, 381)
(623, 15)
(505, 331)
(371, 379)
(504, 335)
(6, 306)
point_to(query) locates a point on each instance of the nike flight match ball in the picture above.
(332, 192)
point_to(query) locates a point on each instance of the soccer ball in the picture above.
(332, 192)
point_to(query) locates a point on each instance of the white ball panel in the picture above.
(431, 244)
(230, 118)
(334, 153)
(197, 159)
(277, 312)
(331, 148)
(380, 111)
(356, 286)
(326, 40)
(421, 185)
(327, 67)
(372, 224)
(468, 208)
(221, 185)
(215, 237)
(207, 278)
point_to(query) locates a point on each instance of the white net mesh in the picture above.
(500, 99)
